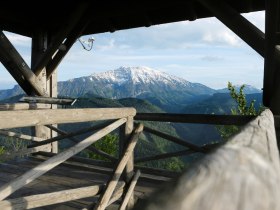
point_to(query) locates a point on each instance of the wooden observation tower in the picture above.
(244, 173)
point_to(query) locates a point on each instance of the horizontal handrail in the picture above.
(26, 118)
(195, 118)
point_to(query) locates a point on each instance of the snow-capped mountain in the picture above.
(127, 82)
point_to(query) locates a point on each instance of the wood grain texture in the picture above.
(12, 119)
(23, 106)
(243, 174)
(105, 197)
(19, 135)
(26, 151)
(34, 201)
(130, 190)
(44, 167)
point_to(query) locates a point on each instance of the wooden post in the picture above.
(271, 91)
(40, 43)
(130, 190)
(130, 164)
(126, 158)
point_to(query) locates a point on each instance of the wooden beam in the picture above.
(195, 118)
(116, 195)
(71, 39)
(270, 69)
(25, 118)
(71, 134)
(48, 100)
(40, 43)
(130, 190)
(46, 199)
(129, 168)
(157, 172)
(235, 176)
(18, 68)
(105, 197)
(57, 41)
(23, 152)
(164, 156)
(20, 135)
(90, 148)
(174, 139)
(44, 167)
(248, 32)
(23, 106)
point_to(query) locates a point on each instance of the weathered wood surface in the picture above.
(26, 151)
(117, 194)
(18, 68)
(20, 135)
(130, 190)
(47, 100)
(23, 106)
(243, 174)
(174, 139)
(195, 118)
(164, 156)
(34, 201)
(105, 197)
(68, 135)
(90, 148)
(64, 177)
(11, 119)
(42, 168)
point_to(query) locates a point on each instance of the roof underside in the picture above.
(27, 17)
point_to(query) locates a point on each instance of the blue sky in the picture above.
(203, 51)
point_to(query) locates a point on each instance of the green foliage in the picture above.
(2, 151)
(240, 99)
(243, 108)
(108, 144)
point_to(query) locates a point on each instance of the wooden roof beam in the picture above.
(18, 68)
(71, 39)
(66, 29)
(248, 32)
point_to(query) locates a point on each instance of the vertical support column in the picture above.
(40, 42)
(125, 134)
(53, 93)
(130, 164)
(271, 94)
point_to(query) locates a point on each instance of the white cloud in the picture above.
(18, 39)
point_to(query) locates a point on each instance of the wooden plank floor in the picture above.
(67, 176)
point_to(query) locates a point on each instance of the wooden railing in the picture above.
(226, 171)
(118, 118)
(244, 173)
